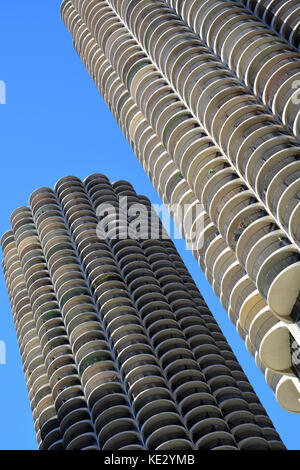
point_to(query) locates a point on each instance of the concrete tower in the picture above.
(118, 346)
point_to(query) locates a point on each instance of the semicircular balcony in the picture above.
(239, 297)
(146, 382)
(112, 318)
(76, 311)
(47, 420)
(73, 417)
(241, 205)
(211, 179)
(67, 396)
(64, 255)
(105, 405)
(158, 420)
(166, 435)
(123, 440)
(20, 217)
(83, 441)
(238, 122)
(62, 360)
(197, 403)
(131, 363)
(188, 375)
(74, 295)
(179, 365)
(153, 409)
(260, 326)
(275, 349)
(112, 414)
(215, 440)
(60, 371)
(65, 382)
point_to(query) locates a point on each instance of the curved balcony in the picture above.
(167, 435)
(223, 264)
(109, 406)
(254, 443)
(207, 90)
(275, 349)
(158, 421)
(214, 440)
(212, 178)
(207, 426)
(47, 421)
(278, 273)
(123, 440)
(185, 376)
(242, 206)
(240, 296)
(52, 439)
(287, 394)
(179, 365)
(242, 119)
(260, 326)
(83, 441)
(201, 414)
(112, 414)
(87, 330)
(76, 430)
(151, 394)
(73, 418)
(233, 275)
(290, 198)
(280, 183)
(134, 362)
(138, 375)
(268, 160)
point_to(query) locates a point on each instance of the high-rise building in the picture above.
(118, 346)
(208, 97)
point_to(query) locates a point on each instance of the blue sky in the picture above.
(54, 124)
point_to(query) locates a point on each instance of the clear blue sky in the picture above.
(54, 124)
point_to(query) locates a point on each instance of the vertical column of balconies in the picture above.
(160, 429)
(23, 267)
(157, 162)
(98, 372)
(141, 372)
(44, 414)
